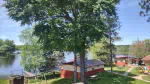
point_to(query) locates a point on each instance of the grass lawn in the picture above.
(134, 72)
(146, 77)
(3, 81)
(118, 70)
(104, 78)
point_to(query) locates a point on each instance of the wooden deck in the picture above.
(29, 74)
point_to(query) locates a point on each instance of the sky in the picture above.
(133, 26)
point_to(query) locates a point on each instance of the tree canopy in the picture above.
(145, 6)
(140, 48)
(7, 47)
(60, 23)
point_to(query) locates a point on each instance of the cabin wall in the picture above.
(121, 61)
(66, 71)
(69, 68)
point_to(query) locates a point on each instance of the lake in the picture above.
(13, 63)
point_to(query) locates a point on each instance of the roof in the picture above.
(146, 58)
(122, 56)
(88, 63)
(126, 56)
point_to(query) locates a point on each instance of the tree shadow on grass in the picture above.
(62, 81)
(103, 78)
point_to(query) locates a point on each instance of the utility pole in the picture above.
(110, 38)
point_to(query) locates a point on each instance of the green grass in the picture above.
(104, 78)
(3, 81)
(146, 77)
(134, 72)
(118, 70)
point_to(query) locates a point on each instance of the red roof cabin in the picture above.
(146, 60)
(121, 61)
(91, 67)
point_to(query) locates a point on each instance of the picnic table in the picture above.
(93, 77)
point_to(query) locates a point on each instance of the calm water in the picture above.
(10, 64)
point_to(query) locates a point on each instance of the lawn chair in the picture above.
(146, 70)
(140, 69)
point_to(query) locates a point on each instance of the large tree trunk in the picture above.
(82, 65)
(75, 67)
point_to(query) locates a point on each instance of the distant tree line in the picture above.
(122, 49)
(18, 47)
(7, 47)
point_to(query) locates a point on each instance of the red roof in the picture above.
(146, 58)
(121, 56)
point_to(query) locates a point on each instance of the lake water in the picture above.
(11, 64)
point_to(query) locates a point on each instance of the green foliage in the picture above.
(7, 47)
(57, 23)
(140, 48)
(122, 49)
(66, 25)
(18, 47)
(145, 6)
(31, 56)
(100, 51)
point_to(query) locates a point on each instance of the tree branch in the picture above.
(68, 17)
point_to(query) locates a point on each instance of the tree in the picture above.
(101, 51)
(113, 26)
(7, 47)
(145, 6)
(34, 57)
(32, 54)
(140, 48)
(122, 49)
(60, 23)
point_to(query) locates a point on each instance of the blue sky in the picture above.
(133, 26)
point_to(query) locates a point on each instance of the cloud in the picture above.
(3, 37)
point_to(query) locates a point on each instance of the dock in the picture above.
(29, 74)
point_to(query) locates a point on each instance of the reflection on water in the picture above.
(9, 64)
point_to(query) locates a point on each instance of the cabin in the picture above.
(146, 61)
(121, 60)
(91, 67)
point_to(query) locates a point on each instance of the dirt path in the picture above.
(126, 73)
(140, 77)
